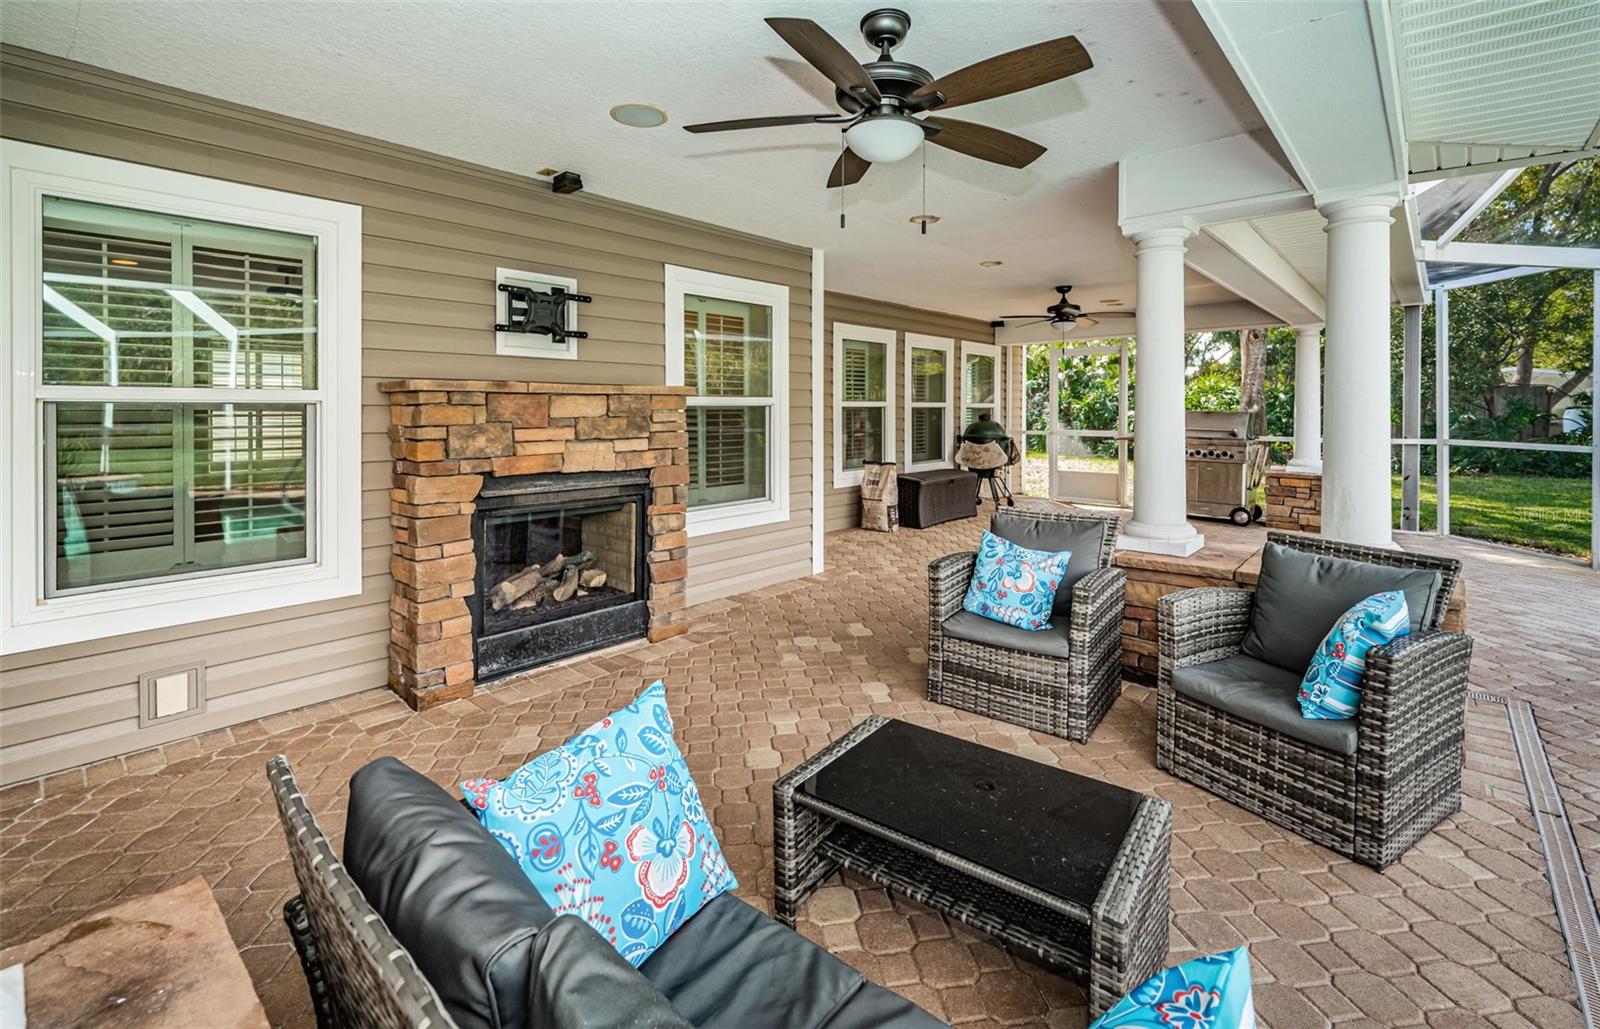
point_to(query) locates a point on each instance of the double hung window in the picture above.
(728, 343)
(185, 415)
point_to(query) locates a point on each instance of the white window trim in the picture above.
(844, 478)
(29, 622)
(774, 508)
(948, 345)
(968, 347)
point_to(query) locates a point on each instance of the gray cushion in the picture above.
(581, 982)
(1082, 538)
(1264, 694)
(1300, 596)
(732, 966)
(451, 894)
(1051, 642)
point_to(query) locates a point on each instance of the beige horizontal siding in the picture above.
(843, 506)
(435, 230)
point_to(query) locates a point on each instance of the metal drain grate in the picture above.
(1575, 907)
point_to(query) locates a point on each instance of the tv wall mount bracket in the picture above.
(540, 311)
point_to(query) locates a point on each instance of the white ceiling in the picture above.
(521, 86)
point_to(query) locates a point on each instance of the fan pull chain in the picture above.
(924, 185)
(841, 180)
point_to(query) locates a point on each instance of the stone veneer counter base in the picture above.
(446, 435)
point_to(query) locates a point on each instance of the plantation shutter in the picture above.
(125, 297)
(855, 371)
(262, 296)
(725, 357)
(117, 503)
(725, 447)
(249, 474)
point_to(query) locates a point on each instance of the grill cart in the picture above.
(985, 451)
(1223, 466)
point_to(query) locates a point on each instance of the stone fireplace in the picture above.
(531, 522)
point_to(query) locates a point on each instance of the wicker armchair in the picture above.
(1405, 774)
(1061, 695)
(359, 974)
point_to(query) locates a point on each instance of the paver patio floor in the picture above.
(1462, 932)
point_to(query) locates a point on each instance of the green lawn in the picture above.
(1526, 511)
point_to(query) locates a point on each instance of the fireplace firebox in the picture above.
(561, 567)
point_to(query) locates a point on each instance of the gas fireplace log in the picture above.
(592, 578)
(533, 598)
(569, 586)
(511, 589)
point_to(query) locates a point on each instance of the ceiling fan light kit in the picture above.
(879, 100)
(884, 138)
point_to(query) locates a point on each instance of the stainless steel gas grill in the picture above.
(1223, 466)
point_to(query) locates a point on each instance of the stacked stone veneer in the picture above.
(1294, 500)
(446, 435)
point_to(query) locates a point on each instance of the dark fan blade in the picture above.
(1010, 73)
(1009, 317)
(1022, 325)
(848, 169)
(761, 123)
(1109, 314)
(827, 55)
(984, 143)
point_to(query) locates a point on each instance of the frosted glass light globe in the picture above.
(884, 139)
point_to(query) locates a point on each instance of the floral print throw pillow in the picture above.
(609, 827)
(1332, 685)
(1013, 584)
(1212, 992)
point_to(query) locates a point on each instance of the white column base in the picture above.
(1310, 467)
(1173, 540)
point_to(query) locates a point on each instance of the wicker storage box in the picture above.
(943, 495)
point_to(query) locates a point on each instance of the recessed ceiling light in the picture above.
(990, 264)
(923, 219)
(547, 171)
(639, 116)
(1113, 302)
(126, 262)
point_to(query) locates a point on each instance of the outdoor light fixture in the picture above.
(884, 138)
(638, 116)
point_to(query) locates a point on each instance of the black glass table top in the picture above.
(1051, 829)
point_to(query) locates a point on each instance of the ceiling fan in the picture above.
(1064, 314)
(879, 99)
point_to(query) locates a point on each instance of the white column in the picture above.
(1355, 461)
(1307, 399)
(1160, 504)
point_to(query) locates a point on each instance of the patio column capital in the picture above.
(1165, 237)
(1375, 207)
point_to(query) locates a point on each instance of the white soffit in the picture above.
(1300, 238)
(1487, 83)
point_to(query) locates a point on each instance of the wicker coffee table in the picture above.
(1065, 868)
